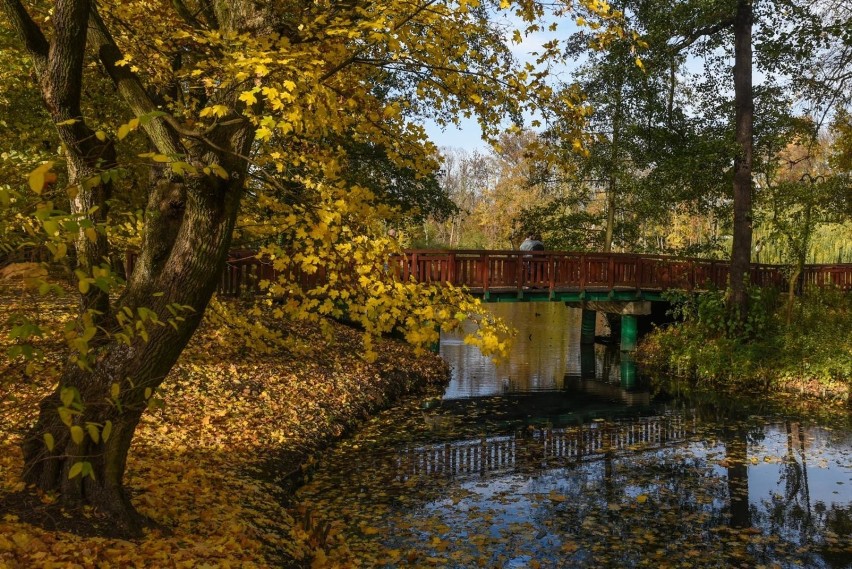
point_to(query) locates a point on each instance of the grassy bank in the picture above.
(208, 467)
(804, 348)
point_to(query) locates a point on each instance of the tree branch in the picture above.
(29, 33)
(164, 137)
(349, 60)
(699, 33)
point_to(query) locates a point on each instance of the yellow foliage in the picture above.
(194, 464)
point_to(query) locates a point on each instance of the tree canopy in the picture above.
(181, 129)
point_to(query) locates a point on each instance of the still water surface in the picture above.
(562, 457)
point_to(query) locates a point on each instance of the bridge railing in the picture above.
(495, 270)
(483, 271)
(552, 446)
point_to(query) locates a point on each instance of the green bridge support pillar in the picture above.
(588, 361)
(587, 330)
(629, 332)
(628, 371)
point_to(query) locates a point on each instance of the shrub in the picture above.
(710, 345)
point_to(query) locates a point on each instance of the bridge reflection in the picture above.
(537, 449)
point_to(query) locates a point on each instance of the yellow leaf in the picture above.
(249, 97)
(77, 434)
(38, 177)
(92, 429)
(219, 171)
(101, 135)
(67, 396)
(51, 227)
(91, 234)
(556, 496)
(181, 168)
(61, 251)
(642, 498)
(115, 389)
(83, 286)
(160, 158)
(107, 430)
(76, 469)
(123, 131)
(65, 416)
(49, 442)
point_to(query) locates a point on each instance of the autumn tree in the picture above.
(232, 116)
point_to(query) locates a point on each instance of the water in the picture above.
(561, 457)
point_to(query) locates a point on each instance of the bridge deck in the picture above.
(548, 275)
(500, 272)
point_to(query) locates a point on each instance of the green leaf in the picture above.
(51, 227)
(107, 430)
(88, 470)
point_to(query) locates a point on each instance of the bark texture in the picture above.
(744, 105)
(189, 223)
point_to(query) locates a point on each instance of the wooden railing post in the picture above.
(485, 261)
(519, 269)
(611, 270)
(551, 264)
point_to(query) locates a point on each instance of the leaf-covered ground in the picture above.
(208, 467)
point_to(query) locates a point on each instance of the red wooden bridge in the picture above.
(504, 273)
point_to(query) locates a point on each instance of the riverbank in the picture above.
(211, 467)
(803, 350)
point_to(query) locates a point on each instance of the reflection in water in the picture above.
(595, 474)
(546, 350)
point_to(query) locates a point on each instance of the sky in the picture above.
(468, 135)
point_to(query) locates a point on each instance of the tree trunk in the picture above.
(186, 243)
(744, 103)
(86, 425)
(612, 186)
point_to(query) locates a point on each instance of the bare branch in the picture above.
(699, 33)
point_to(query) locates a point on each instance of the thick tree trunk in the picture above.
(90, 419)
(123, 377)
(744, 103)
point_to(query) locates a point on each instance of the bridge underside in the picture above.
(566, 295)
(628, 304)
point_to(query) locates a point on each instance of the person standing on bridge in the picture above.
(532, 243)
